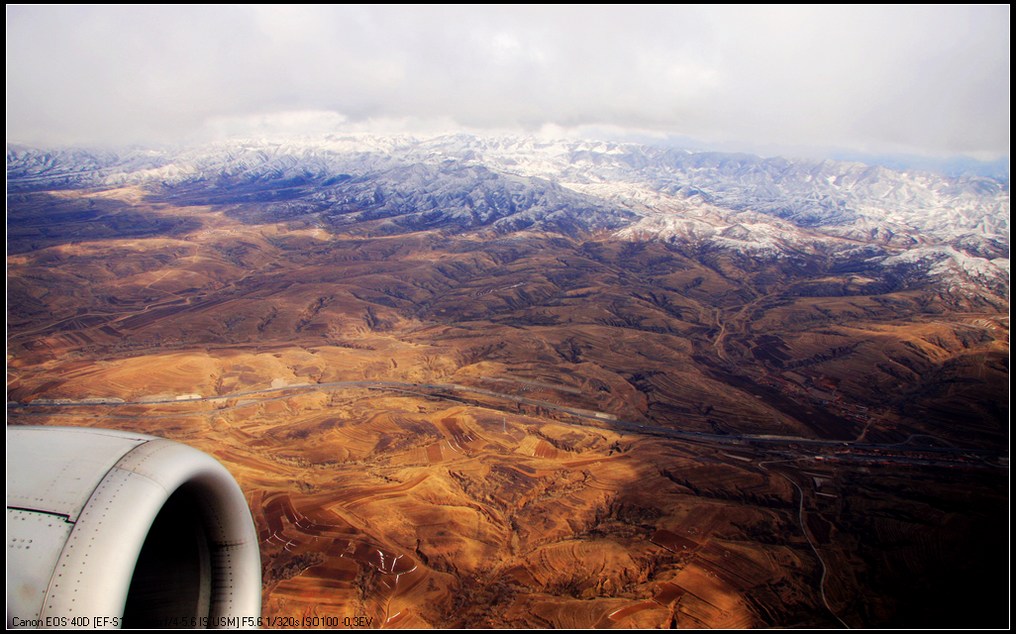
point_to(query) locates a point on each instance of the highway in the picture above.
(839, 450)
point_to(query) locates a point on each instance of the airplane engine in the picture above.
(113, 529)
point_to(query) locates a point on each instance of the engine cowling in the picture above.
(113, 529)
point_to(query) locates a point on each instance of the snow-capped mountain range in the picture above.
(955, 229)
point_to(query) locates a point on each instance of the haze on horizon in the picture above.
(924, 80)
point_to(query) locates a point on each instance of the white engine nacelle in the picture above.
(112, 529)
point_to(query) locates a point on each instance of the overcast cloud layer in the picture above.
(927, 80)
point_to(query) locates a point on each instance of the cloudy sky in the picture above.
(924, 80)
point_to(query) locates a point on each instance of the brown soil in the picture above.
(439, 431)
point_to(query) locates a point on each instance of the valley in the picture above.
(441, 422)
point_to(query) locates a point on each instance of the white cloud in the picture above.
(931, 80)
(293, 123)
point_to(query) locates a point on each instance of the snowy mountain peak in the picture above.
(740, 203)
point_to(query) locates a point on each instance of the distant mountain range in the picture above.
(598, 384)
(846, 214)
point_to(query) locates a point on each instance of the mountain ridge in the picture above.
(583, 380)
(955, 230)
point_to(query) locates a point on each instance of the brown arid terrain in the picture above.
(532, 429)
